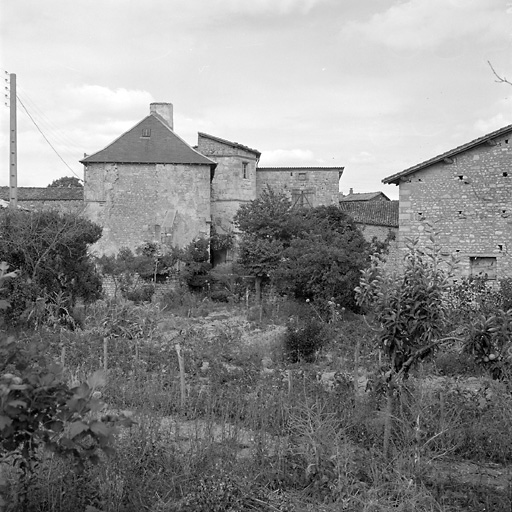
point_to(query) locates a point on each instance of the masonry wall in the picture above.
(234, 182)
(135, 203)
(469, 203)
(307, 186)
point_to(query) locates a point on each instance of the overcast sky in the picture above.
(375, 86)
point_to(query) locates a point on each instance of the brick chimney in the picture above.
(164, 110)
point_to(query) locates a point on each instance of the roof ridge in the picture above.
(459, 149)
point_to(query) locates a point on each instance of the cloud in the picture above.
(269, 6)
(287, 157)
(495, 122)
(97, 98)
(362, 157)
(418, 24)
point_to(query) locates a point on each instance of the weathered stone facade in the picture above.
(149, 184)
(465, 197)
(305, 186)
(234, 182)
(144, 202)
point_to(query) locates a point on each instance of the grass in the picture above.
(258, 432)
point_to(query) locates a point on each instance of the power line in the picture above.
(43, 119)
(46, 139)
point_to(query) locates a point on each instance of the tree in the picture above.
(411, 312)
(67, 182)
(50, 250)
(314, 253)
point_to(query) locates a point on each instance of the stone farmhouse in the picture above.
(149, 184)
(465, 196)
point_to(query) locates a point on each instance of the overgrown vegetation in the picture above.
(314, 253)
(49, 249)
(272, 405)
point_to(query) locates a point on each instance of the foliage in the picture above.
(302, 340)
(39, 410)
(312, 253)
(469, 296)
(67, 182)
(196, 259)
(506, 293)
(489, 338)
(131, 272)
(50, 250)
(410, 307)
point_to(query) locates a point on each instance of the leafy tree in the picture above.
(314, 253)
(67, 182)
(324, 262)
(50, 250)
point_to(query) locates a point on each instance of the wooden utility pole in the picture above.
(13, 160)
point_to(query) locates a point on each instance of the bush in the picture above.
(50, 251)
(302, 342)
(143, 293)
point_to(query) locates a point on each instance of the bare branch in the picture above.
(500, 79)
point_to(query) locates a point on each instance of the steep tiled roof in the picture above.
(229, 143)
(150, 141)
(439, 158)
(45, 193)
(364, 196)
(375, 213)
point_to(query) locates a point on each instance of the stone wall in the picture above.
(467, 200)
(308, 186)
(234, 182)
(143, 202)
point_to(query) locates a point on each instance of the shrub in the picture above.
(50, 250)
(303, 341)
(143, 293)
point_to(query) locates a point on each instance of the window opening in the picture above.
(146, 132)
(483, 266)
(244, 170)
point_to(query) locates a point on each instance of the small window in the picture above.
(146, 132)
(483, 266)
(302, 176)
(245, 166)
(505, 174)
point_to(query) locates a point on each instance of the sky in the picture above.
(375, 86)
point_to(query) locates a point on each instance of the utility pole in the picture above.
(13, 160)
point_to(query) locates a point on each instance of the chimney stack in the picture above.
(164, 110)
(351, 191)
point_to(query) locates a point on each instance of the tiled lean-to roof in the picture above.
(375, 213)
(45, 193)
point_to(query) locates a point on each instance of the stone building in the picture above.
(64, 199)
(305, 186)
(465, 196)
(149, 184)
(377, 219)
